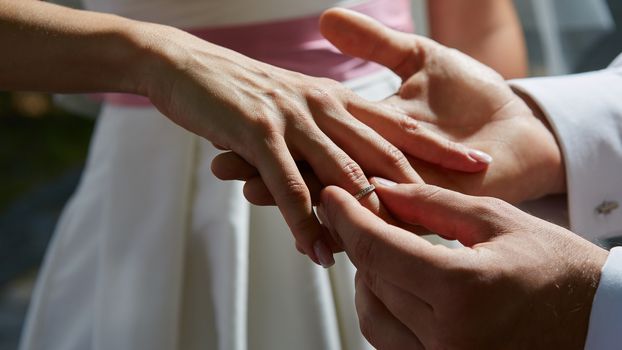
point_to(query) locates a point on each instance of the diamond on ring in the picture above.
(364, 192)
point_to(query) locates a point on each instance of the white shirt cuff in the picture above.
(605, 329)
(585, 112)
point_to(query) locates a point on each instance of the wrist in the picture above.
(552, 170)
(166, 56)
(585, 264)
(152, 55)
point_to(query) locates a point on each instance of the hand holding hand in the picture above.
(273, 118)
(520, 282)
(449, 99)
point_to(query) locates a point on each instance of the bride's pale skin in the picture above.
(269, 116)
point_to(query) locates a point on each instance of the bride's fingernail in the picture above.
(480, 157)
(323, 254)
(384, 182)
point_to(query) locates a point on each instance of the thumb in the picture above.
(361, 36)
(374, 245)
(450, 214)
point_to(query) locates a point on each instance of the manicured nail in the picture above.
(323, 254)
(385, 182)
(480, 157)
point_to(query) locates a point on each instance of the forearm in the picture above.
(53, 48)
(487, 30)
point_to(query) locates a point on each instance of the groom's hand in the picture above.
(461, 99)
(520, 282)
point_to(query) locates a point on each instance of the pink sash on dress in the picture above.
(295, 44)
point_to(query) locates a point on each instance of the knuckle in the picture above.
(395, 157)
(296, 191)
(352, 173)
(318, 92)
(261, 124)
(325, 92)
(276, 94)
(409, 125)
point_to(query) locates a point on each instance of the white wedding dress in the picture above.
(153, 252)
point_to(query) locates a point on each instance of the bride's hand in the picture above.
(273, 118)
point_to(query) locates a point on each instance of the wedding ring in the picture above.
(364, 192)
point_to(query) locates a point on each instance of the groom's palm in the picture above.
(469, 103)
(461, 99)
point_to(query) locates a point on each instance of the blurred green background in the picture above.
(38, 142)
(42, 151)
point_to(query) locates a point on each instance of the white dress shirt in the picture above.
(585, 112)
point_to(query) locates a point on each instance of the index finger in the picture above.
(399, 256)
